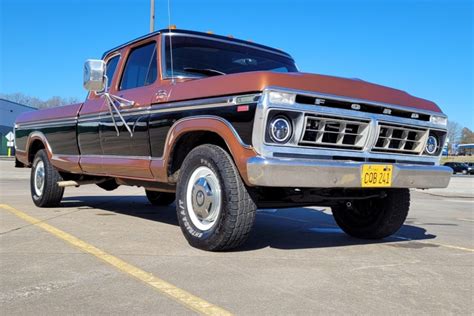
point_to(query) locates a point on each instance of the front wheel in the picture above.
(215, 211)
(374, 218)
(45, 191)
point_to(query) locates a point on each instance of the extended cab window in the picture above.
(140, 69)
(111, 67)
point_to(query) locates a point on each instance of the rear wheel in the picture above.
(374, 218)
(215, 211)
(44, 178)
(160, 198)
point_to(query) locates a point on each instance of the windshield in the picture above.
(199, 57)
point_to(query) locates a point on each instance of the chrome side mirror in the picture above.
(94, 75)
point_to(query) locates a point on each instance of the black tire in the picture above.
(375, 218)
(160, 198)
(51, 194)
(237, 210)
(108, 185)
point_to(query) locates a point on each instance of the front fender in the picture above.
(240, 152)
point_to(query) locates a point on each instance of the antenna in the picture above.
(171, 43)
(152, 16)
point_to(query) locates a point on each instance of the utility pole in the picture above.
(152, 16)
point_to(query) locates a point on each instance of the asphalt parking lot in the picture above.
(111, 252)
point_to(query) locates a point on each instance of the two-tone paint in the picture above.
(82, 138)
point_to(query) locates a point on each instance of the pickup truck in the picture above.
(222, 126)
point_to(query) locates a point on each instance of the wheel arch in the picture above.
(36, 142)
(189, 133)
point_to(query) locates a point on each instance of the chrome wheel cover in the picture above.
(39, 177)
(203, 198)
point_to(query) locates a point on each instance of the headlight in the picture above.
(280, 129)
(431, 145)
(282, 98)
(439, 120)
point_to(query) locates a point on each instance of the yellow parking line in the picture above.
(181, 296)
(451, 246)
(465, 219)
(435, 244)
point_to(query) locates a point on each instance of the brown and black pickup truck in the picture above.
(222, 126)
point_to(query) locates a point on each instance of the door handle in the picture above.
(124, 105)
(161, 95)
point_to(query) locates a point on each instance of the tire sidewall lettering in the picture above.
(184, 218)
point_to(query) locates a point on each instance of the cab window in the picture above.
(111, 67)
(141, 67)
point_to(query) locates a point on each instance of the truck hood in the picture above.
(259, 80)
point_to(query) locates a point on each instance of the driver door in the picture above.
(128, 154)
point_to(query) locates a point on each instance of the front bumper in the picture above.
(304, 173)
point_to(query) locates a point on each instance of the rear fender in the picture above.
(28, 156)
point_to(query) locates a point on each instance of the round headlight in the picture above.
(431, 145)
(280, 129)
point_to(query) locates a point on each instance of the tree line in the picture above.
(458, 134)
(37, 102)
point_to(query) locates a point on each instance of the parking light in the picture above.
(282, 98)
(439, 120)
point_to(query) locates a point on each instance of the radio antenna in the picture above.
(170, 42)
(152, 16)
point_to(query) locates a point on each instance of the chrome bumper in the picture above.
(303, 173)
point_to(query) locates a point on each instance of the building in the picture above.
(8, 113)
(466, 149)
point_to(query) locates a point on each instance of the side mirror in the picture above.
(94, 75)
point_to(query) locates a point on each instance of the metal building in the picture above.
(466, 149)
(8, 113)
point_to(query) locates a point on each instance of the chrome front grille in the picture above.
(401, 139)
(334, 132)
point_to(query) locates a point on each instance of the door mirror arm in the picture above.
(111, 102)
(95, 80)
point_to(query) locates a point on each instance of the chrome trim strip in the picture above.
(46, 125)
(178, 106)
(57, 120)
(273, 172)
(115, 157)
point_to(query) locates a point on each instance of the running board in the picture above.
(72, 183)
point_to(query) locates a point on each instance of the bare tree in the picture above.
(22, 98)
(467, 136)
(454, 132)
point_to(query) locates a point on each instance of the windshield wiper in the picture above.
(207, 72)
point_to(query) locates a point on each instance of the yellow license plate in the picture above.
(376, 176)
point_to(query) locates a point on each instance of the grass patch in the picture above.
(457, 159)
